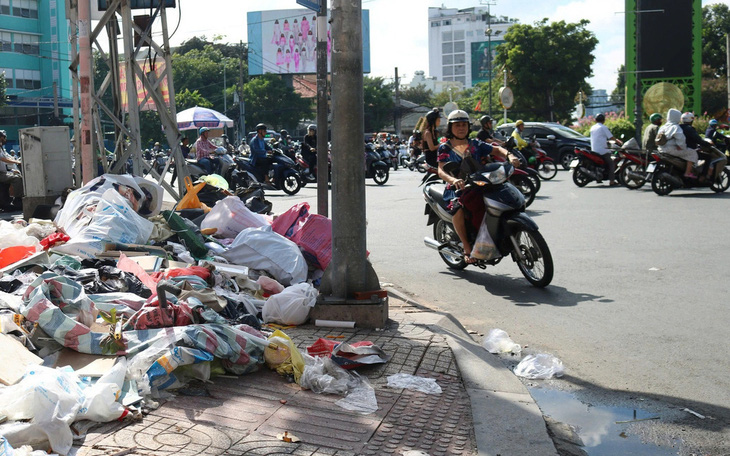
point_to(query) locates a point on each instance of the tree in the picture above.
(548, 64)
(187, 99)
(419, 95)
(715, 25)
(378, 100)
(619, 93)
(3, 86)
(271, 101)
(714, 92)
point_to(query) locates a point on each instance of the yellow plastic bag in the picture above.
(190, 200)
(283, 356)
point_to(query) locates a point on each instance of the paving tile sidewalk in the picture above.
(243, 415)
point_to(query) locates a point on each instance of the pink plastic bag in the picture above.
(311, 232)
(288, 220)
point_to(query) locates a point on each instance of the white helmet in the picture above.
(687, 118)
(458, 116)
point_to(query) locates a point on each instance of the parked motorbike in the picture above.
(375, 168)
(283, 173)
(511, 231)
(667, 174)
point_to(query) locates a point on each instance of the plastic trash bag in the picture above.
(484, 246)
(283, 356)
(413, 382)
(322, 375)
(291, 306)
(261, 248)
(540, 366)
(498, 341)
(311, 232)
(12, 235)
(361, 399)
(230, 216)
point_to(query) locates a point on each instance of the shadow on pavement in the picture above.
(519, 290)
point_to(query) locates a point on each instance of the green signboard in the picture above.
(480, 60)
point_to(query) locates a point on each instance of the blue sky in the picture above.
(399, 28)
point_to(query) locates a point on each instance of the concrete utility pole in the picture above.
(84, 27)
(397, 118)
(241, 105)
(322, 113)
(350, 288)
(638, 121)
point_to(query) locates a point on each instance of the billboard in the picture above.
(285, 42)
(480, 63)
(149, 105)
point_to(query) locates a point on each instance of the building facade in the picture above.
(34, 57)
(462, 42)
(433, 84)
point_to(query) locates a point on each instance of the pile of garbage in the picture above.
(115, 303)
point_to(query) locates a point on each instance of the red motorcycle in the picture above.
(589, 166)
(544, 165)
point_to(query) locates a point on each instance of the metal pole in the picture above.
(489, 60)
(135, 144)
(225, 102)
(505, 85)
(72, 15)
(637, 90)
(241, 106)
(396, 120)
(322, 112)
(84, 24)
(349, 272)
(727, 68)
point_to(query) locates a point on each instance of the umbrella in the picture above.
(197, 117)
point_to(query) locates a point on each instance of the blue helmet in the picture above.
(203, 130)
(714, 122)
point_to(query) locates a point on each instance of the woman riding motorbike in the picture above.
(469, 155)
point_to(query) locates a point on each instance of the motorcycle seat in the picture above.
(436, 192)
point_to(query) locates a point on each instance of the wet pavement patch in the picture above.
(603, 430)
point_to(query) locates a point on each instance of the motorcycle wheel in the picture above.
(444, 232)
(547, 170)
(291, 184)
(526, 187)
(381, 176)
(537, 265)
(723, 183)
(580, 178)
(535, 179)
(660, 185)
(633, 182)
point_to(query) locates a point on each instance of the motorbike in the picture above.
(375, 168)
(524, 168)
(544, 165)
(511, 232)
(228, 168)
(283, 174)
(632, 171)
(589, 166)
(308, 175)
(403, 156)
(667, 174)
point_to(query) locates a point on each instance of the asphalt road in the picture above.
(637, 310)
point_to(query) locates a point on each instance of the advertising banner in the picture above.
(285, 42)
(149, 105)
(480, 60)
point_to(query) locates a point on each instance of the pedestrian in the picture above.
(600, 136)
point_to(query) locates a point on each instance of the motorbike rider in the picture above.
(600, 136)
(414, 144)
(521, 145)
(259, 158)
(671, 141)
(648, 140)
(694, 141)
(309, 148)
(285, 144)
(205, 152)
(227, 145)
(9, 175)
(430, 137)
(485, 134)
(718, 139)
(457, 149)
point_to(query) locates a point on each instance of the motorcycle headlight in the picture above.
(497, 175)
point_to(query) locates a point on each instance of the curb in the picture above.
(507, 420)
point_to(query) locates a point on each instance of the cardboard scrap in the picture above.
(85, 365)
(14, 360)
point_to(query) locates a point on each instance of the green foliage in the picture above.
(378, 101)
(619, 92)
(271, 101)
(714, 92)
(715, 25)
(621, 127)
(547, 62)
(419, 95)
(187, 99)
(3, 87)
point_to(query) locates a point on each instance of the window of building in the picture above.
(6, 43)
(25, 8)
(459, 46)
(8, 72)
(459, 58)
(460, 79)
(447, 48)
(447, 59)
(27, 44)
(435, 23)
(459, 69)
(469, 33)
(458, 35)
(447, 22)
(447, 36)
(4, 6)
(27, 79)
(448, 78)
(448, 70)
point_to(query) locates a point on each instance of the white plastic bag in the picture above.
(230, 216)
(262, 248)
(541, 366)
(291, 306)
(322, 375)
(484, 246)
(498, 341)
(361, 398)
(422, 384)
(11, 235)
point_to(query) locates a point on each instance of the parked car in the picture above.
(558, 141)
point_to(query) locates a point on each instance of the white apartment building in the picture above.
(433, 84)
(458, 45)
